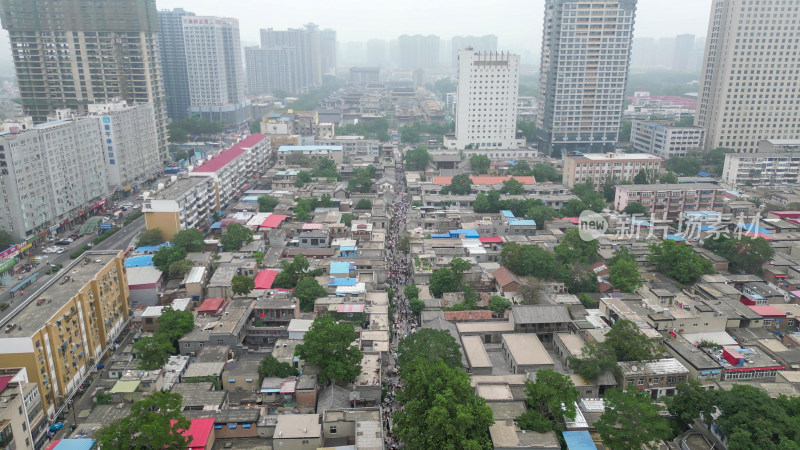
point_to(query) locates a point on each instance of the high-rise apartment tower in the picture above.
(172, 55)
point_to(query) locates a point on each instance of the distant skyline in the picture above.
(518, 25)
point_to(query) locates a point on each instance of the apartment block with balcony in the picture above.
(663, 139)
(332, 152)
(22, 420)
(595, 168)
(671, 199)
(761, 169)
(233, 169)
(187, 203)
(67, 326)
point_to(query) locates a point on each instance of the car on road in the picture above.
(137, 206)
(66, 241)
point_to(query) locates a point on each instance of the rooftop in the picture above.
(669, 187)
(615, 156)
(175, 190)
(309, 148)
(526, 349)
(661, 366)
(540, 314)
(297, 426)
(225, 157)
(36, 314)
(486, 180)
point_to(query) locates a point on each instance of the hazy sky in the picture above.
(518, 24)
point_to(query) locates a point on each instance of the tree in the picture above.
(364, 204)
(460, 184)
(692, 401)
(155, 422)
(685, 121)
(595, 360)
(541, 214)
(271, 367)
(404, 245)
(459, 266)
(526, 260)
(418, 158)
(678, 261)
(668, 177)
(177, 135)
(361, 179)
(292, 271)
(103, 398)
(443, 280)
(174, 324)
(589, 196)
(573, 249)
(498, 304)
(409, 135)
(329, 345)
(551, 398)
(348, 218)
(190, 240)
(528, 130)
(716, 159)
(545, 172)
(416, 306)
(303, 177)
(512, 187)
(179, 269)
(631, 420)
(150, 237)
(165, 256)
(307, 291)
(411, 291)
(153, 352)
(573, 208)
(628, 343)
(745, 254)
(578, 278)
(325, 168)
(430, 345)
(479, 163)
(521, 168)
(625, 131)
(624, 275)
(635, 209)
(235, 236)
(6, 240)
(267, 203)
(754, 420)
(259, 257)
(641, 177)
(687, 166)
(440, 409)
(242, 285)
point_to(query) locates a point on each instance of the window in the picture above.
(231, 380)
(217, 427)
(332, 429)
(232, 426)
(640, 382)
(245, 425)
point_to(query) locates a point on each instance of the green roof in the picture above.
(125, 386)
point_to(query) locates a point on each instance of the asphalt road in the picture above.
(118, 241)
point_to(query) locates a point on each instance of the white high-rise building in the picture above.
(486, 101)
(748, 87)
(214, 63)
(130, 143)
(51, 173)
(586, 49)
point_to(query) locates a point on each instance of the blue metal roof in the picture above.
(579, 440)
(466, 233)
(675, 237)
(440, 236)
(342, 282)
(522, 222)
(506, 213)
(151, 248)
(341, 267)
(216, 226)
(139, 261)
(753, 228)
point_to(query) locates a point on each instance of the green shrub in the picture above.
(74, 255)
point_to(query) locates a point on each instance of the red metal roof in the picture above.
(768, 311)
(491, 240)
(230, 154)
(265, 278)
(211, 305)
(273, 221)
(4, 382)
(463, 316)
(350, 308)
(200, 431)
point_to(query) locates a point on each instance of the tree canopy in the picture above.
(631, 420)
(364, 204)
(6, 240)
(678, 261)
(235, 236)
(242, 284)
(307, 291)
(418, 158)
(150, 237)
(526, 260)
(443, 280)
(460, 184)
(498, 304)
(440, 409)
(624, 342)
(635, 209)
(267, 203)
(589, 196)
(190, 240)
(155, 422)
(271, 367)
(329, 345)
(624, 272)
(480, 163)
(512, 187)
(165, 256)
(545, 172)
(745, 254)
(361, 179)
(686, 166)
(550, 398)
(430, 345)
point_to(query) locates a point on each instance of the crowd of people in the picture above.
(403, 321)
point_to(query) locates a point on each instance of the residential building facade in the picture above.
(671, 199)
(188, 203)
(300, 53)
(761, 169)
(665, 140)
(417, 52)
(586, 50)
(486, 100)
(23, 424)
(68, 54)
(172, 54)
(362, 76)
(596, 168)
(49, 174)
(61, 333)
(744, 94)
(214, 64)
